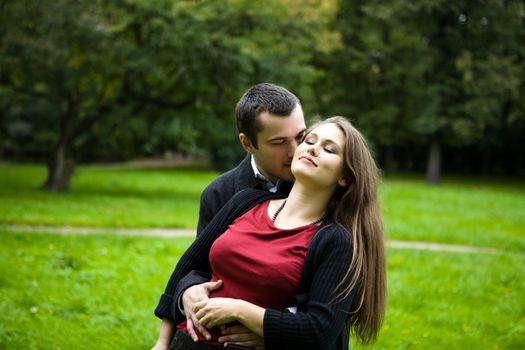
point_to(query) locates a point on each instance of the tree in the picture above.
(474, 70)
(375, 75)
(121, 73)
(63, 54)
(434, 73)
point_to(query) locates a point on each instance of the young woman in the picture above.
(324, 242)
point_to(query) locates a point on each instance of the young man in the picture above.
(271, 124)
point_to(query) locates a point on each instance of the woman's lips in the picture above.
(308, 159)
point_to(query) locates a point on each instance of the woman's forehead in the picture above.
(329, 131)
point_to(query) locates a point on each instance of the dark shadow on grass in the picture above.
(121, 193)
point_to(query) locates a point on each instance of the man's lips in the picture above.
(308, 159)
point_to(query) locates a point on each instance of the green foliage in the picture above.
(116, 79)
(408, 72)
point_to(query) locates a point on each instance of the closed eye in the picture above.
(309, 140)
(300, 137)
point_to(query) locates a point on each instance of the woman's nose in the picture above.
(312, 150)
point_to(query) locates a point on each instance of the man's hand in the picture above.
(190, 297)
(240, 335)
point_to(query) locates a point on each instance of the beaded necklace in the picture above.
(281, 208)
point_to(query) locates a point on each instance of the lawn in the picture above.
(460, 211)
(82, 292)
(476, 212)
(444, 300)
(103, 197)
(99, 291)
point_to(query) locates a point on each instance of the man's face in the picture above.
(276, 143)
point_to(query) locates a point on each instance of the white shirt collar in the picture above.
(269, 185)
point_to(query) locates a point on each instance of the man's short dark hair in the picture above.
(262, 98)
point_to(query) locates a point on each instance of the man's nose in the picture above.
(292, 148)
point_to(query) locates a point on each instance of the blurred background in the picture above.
(436, 86)
(115, 114)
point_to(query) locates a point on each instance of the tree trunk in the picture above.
(388, 166)
(434, 162)
(59, 170)
(59, 166)
(519, 168)
(486, 168)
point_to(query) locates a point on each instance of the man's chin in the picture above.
(288, 177)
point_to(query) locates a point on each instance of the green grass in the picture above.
(99, 292)
(480, 212)
(443, 300)
(82, 292)
(102, 197)
(459, 211)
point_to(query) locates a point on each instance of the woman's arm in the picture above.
(321, 321)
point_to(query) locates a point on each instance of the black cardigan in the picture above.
(320, 322)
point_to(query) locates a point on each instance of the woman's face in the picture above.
(319, 159)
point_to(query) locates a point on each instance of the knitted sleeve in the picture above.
(319, 324)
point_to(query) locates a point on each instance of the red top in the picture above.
(259, 262)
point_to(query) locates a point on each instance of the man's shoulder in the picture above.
(232, 180)
(227, 177)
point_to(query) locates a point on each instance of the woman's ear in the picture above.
(344, 181)
(246, 143)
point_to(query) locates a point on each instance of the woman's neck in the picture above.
(303, 206)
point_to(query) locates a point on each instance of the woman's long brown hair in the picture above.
(356, 207)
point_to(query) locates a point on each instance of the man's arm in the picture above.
(208, 208)
(166, 333)
(239, 334)
(191, 279)
(190, 298)
(169, 304)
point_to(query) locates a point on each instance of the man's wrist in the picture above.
(180, 297)
(180, 304)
